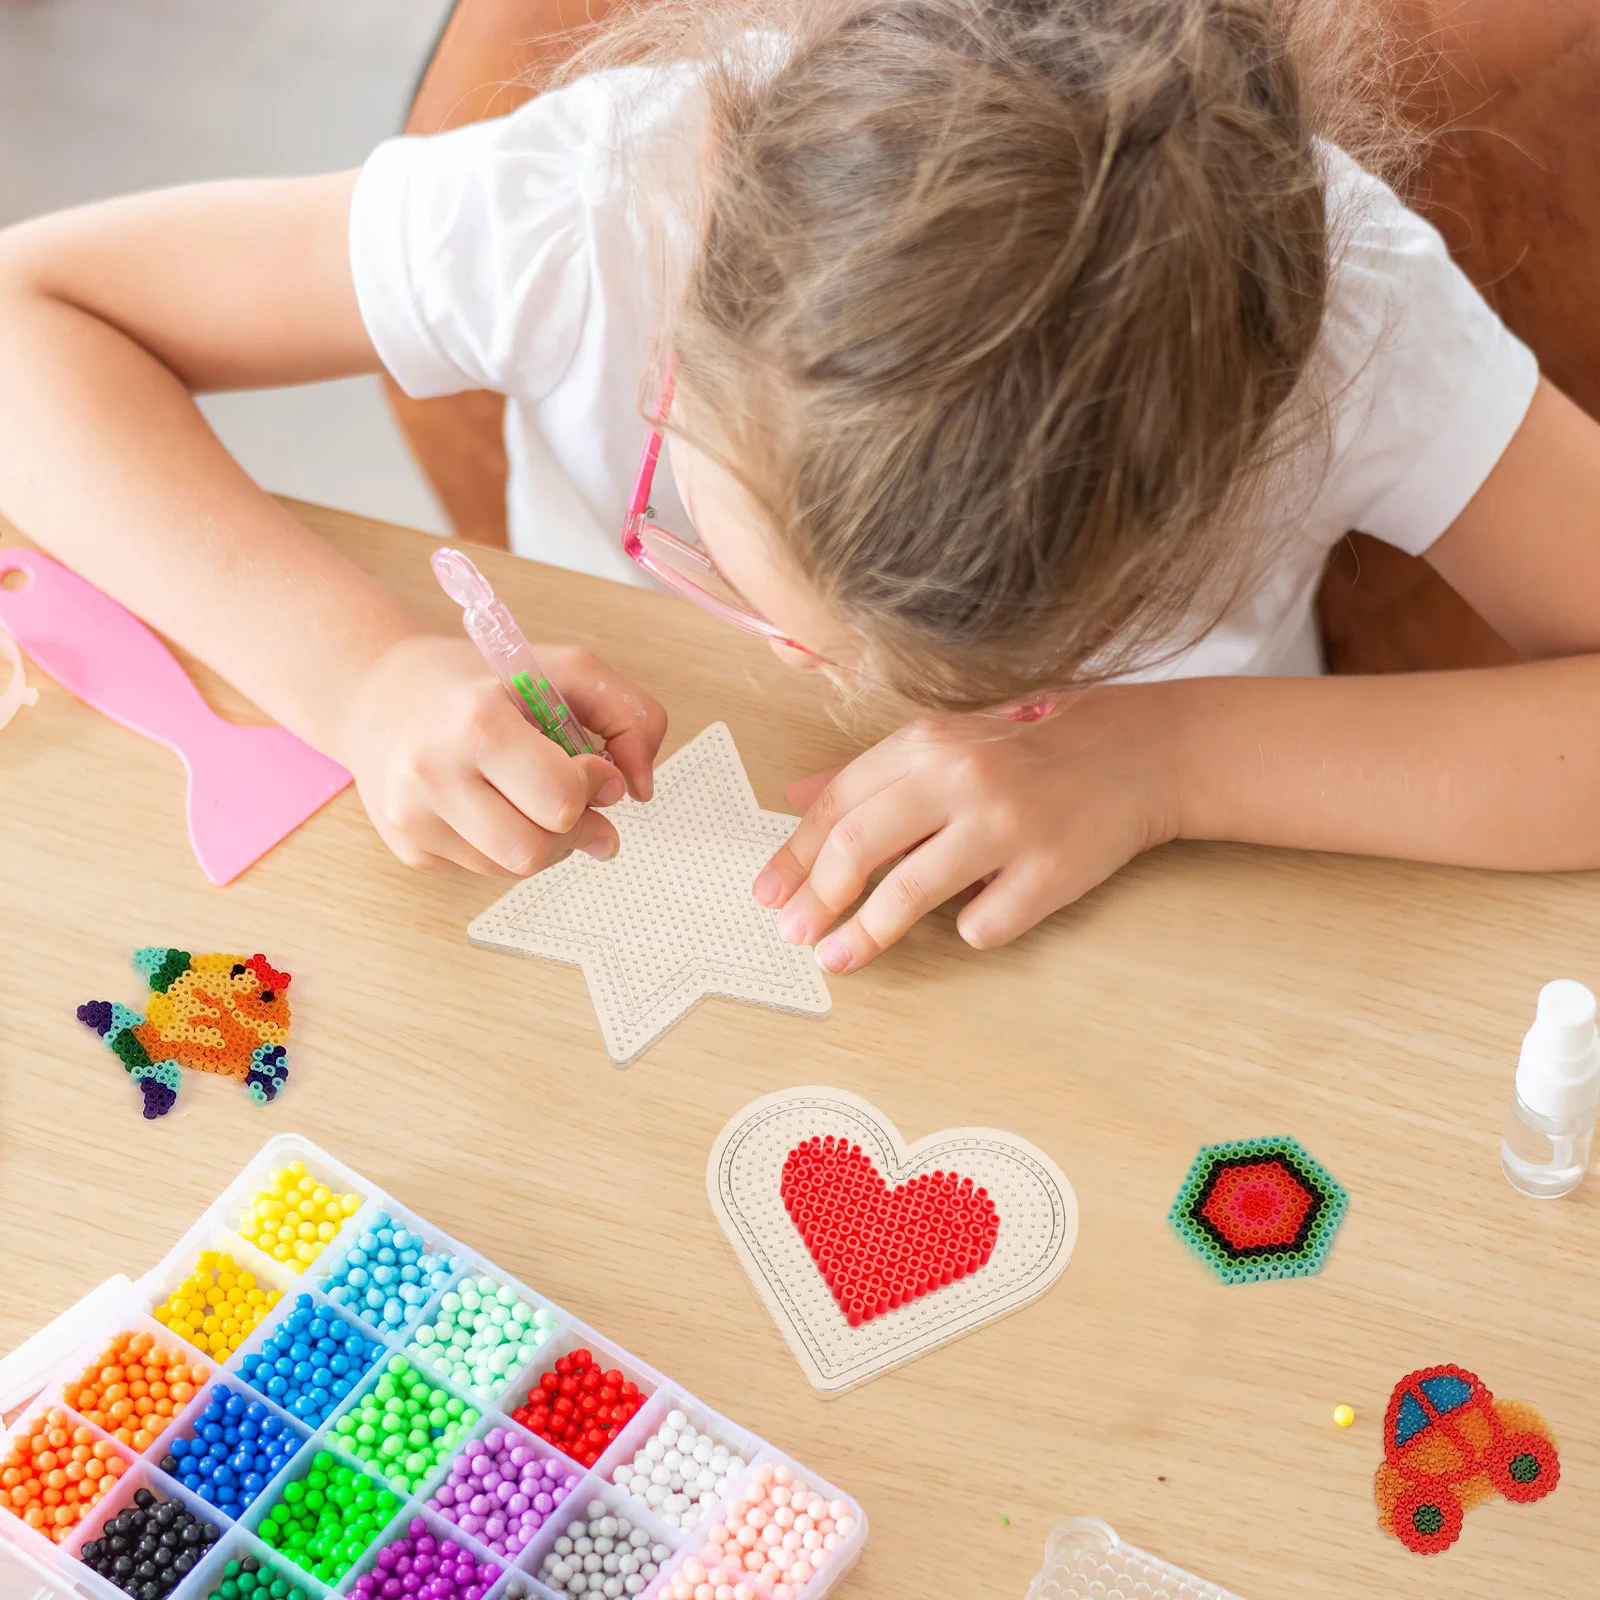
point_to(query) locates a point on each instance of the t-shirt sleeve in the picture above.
(1428, 384)
(471, 250)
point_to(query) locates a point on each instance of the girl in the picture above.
(1026, 356)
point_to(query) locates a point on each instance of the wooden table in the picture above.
(1371, 1009)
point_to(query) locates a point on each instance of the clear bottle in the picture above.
(1550, 1122)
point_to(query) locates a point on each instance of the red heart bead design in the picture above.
(878, 1247)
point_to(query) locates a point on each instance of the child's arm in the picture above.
(1497, 768)
(111, 318)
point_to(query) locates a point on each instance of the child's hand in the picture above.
(449, 770)
(1038, 813)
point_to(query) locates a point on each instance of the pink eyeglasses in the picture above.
(688, 570)
(685, 568)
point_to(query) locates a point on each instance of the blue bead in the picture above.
(339, 1364)
(180, 1448)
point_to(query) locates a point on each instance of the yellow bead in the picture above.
(349, 1204)
(1344, 1416)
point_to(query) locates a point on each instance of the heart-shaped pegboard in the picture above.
(1038, 1226)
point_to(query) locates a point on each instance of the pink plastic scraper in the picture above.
(248, 787)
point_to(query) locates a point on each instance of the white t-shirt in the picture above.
(515, 255)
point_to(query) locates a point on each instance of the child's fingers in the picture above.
(913, 887)
(1023, 893)
(791, 865)
(803, 791)
(429, 842)
(549, 787)
(491, 827)
(630, 721)
(884, 826)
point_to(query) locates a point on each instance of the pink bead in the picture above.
(744, 1591)
(783, 1591)
(781, 1474)
(783, 1516)
(811, 1540)
(791, 1541)
(754, 1561)
(694, 1570)
(770, 1574)
(705, 1591)
(771, 1534)
(844, 1526)
(779, 1496)
(800, 1572)
(831, 1541)
(682, 1589)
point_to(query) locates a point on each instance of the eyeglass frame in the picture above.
(637, 522)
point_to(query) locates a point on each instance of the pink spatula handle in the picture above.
(248, 787)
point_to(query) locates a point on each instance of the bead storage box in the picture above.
(381, 1413)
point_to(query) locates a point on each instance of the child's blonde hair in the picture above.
(998, 307)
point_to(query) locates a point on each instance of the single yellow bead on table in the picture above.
(1344, 1416)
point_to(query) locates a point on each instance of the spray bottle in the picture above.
(1550, 1123)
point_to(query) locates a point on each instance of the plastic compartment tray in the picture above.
(215, 1231)
(1085, 1560)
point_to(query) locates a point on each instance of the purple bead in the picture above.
(544, 1504)
(494, 1438)
(471, 1524)
(503, 1490)
(494, 1528)
(392, 1589)
(521, 1455)
(388, 1556)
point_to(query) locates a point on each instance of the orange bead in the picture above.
(164, 1407)
(183, 1392)
(51, 1497)
(143, 1406)
(115, 1467)
(45, 1460)
(34, 1516)
(74, 1472)
(83, 1436)
(143, 1439)
(94, 1469)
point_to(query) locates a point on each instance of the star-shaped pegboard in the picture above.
(670, 918)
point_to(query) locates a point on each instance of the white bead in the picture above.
(576, 1530)
(638, 1538)
(677, 1420)
(672, 1461)
(655, 1496)
(627, 1565)
(591, 1562)
(602, 1545)
(702, 1452)
(596, 1508)
(624, 1528)
(633, 1585)
(612, 1588)
(563, 1545)
(659, 1553)
(648, 1570)
(582, 1547)
(655, 1448)
(705, 1479)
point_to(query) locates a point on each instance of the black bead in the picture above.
(122, 1566)
(152, 1591)
(193, 1533)
(145, 1571)
(167, 1514)
(145, 1545)
(143, 1498)
(249, 1564)
(185, 1562)
(169, 1465)
(162, 1556)
(213, 1533)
